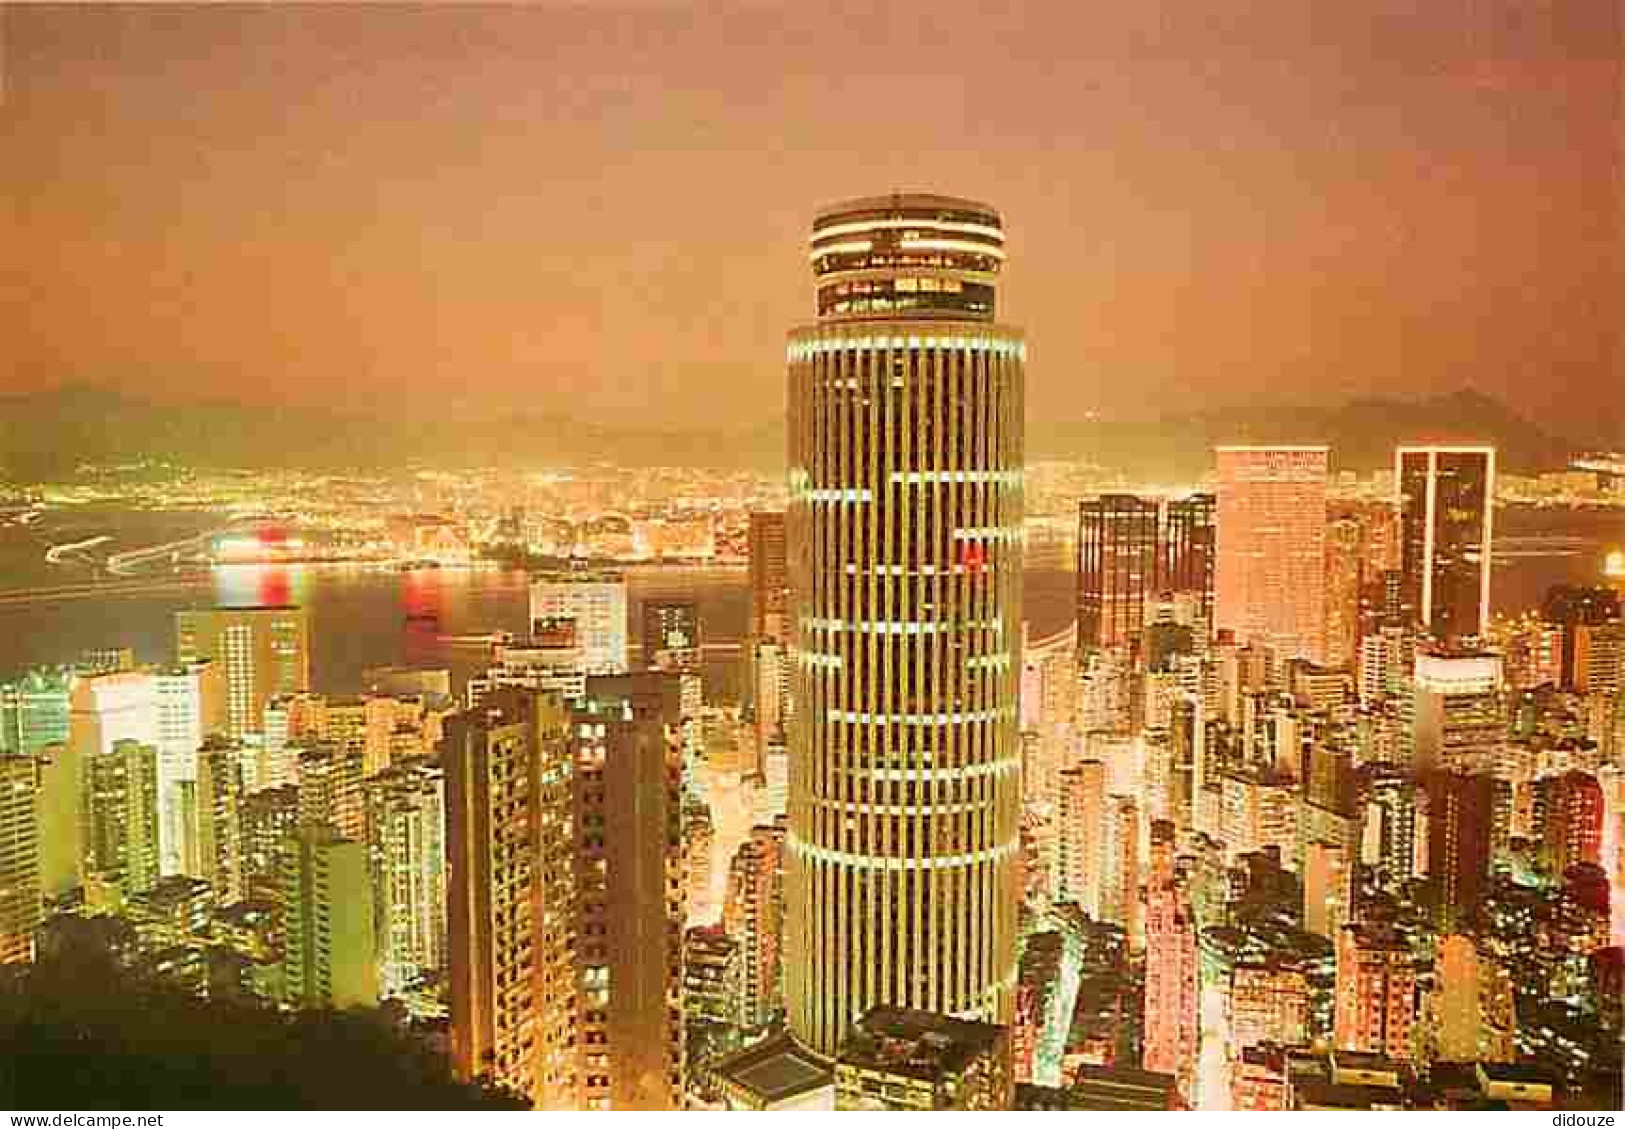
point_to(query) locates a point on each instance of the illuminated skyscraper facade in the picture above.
(905, 554)
(1446, 522)
(1133, 550)
(1270, 575)
(1117, 568)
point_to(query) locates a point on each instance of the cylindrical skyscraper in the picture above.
(905, 554)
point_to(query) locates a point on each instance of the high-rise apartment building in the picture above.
(1578, 612)
(754, 915)
(769, 576)
(1344, 585)
(1375, 1005)
(1171, 970)
(596, 601)
(191, 706)
(262, 652)
(904, 540)
(21, 901)
(1445, 497)
(330, 789)
(549, 659)
(767, 687)
(1120, 891)
(1187, 557)
(1568, 819)
(1474, 1019)
(121, 826)
(329, 958)
(1270, 575)
(510, 879)
(1456, 720)
(406, 848)
(1080, 857)
(627, 739)
(1461, 811)
(212, 804)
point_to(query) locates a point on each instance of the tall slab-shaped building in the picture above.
(905, 552)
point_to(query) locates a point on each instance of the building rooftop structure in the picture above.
(775, 1074)
(917, 1044)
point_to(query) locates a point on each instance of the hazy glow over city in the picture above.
(652, 557)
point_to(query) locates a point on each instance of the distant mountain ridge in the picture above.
(46, 435)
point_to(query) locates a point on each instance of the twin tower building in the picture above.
(904, 529)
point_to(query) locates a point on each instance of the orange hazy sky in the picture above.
(600, 209)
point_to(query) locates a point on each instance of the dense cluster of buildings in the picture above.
(1285, 820)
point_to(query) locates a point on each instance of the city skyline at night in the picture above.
(444, 210)
(623, 556)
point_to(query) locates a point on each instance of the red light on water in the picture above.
(276, 588)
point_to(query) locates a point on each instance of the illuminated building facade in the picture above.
(1457, 717)
(1117, 568)
(34, 711)
(1328, 888)
(626, 737)
(754, 914)
(899, 1059)
(1131, 552)
(1375, 1007)
(262, 652)
(767, 689)
(1584, 616)
(1473, 1014)
(213, 807)
(21, 903)
(904, 540)
(121, 831)
(1270, 575)
(596, 600)
(191, 702)
(1461, 809)
(1269, 1003)
(1172, 981)
(406, 849)
(329, 957)
(1568, 819)
(1445, 497)
(510, 880)
(671, 635)
(330, 789)
(1080, 857)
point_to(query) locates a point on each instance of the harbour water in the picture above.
(363, 617)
